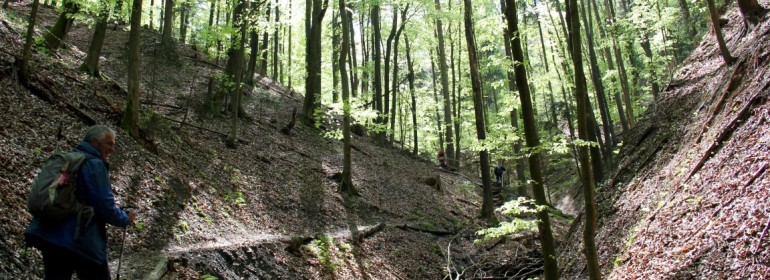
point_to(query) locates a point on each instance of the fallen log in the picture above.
(242, 141)
(425, 230)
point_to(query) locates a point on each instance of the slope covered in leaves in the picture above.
(689, 198)
(205, 209)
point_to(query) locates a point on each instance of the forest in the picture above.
(393, 139)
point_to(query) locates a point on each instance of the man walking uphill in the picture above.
(77, 243)
(499, 169)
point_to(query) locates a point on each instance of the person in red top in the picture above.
(441, 160)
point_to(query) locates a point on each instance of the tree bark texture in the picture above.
(130, 121)
(449, 151)
(551, 270)
(594, 271)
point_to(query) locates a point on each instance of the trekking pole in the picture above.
(122, 245)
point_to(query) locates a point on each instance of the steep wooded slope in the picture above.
(690, 196)
(212, 210)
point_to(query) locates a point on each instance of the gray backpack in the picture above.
(52, 196)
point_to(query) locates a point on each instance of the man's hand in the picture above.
(131, 217)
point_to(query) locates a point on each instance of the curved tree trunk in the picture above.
(26, 56)
(56, 36)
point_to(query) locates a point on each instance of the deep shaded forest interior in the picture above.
(284, 139)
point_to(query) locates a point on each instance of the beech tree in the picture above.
(347, 169)
(583, 120)
(718, 33)
(56, 35)
(312, 100)
(130, 121)
(26, 56)
(551, 270)
(487, 207)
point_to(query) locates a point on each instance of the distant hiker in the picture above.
(442, 160)
(76, 242)
(499, 169)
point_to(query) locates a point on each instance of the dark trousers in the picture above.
(61, 264)
(498, 178)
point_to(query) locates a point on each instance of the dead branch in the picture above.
(205, 62)
(359, 149)
(370, 232)
(242, 141)
(756, 175)
(425, 230)
(735, 79)
(724, 134)
(115, 109)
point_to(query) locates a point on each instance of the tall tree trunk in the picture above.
(91, 63)
(291, 39)
(29, 40)
(184, 11)
(276, 40)
(440, 128)
(443, 68)
(167, 47)
(234, 70)
(645, 44)
(751, 11)
(251, 67)
(394, 88)
(388, 50)
(551, 270)
(624, 86)
(377, 57)
(610, 67)
(58, 33)
(583, 108)
(265, 43)
(130, 121)
(718, 32)
(597, 81)
(353, 60)
(487, 207)
(152, 16)
(365, 52)
(685, 10)
(335, 57)
(520, 162)
(347, 170)
(410, 68)
(313, 52)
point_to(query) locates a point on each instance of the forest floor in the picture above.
(689, 199)
(204, 209)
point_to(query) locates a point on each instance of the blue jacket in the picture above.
(84, 234)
